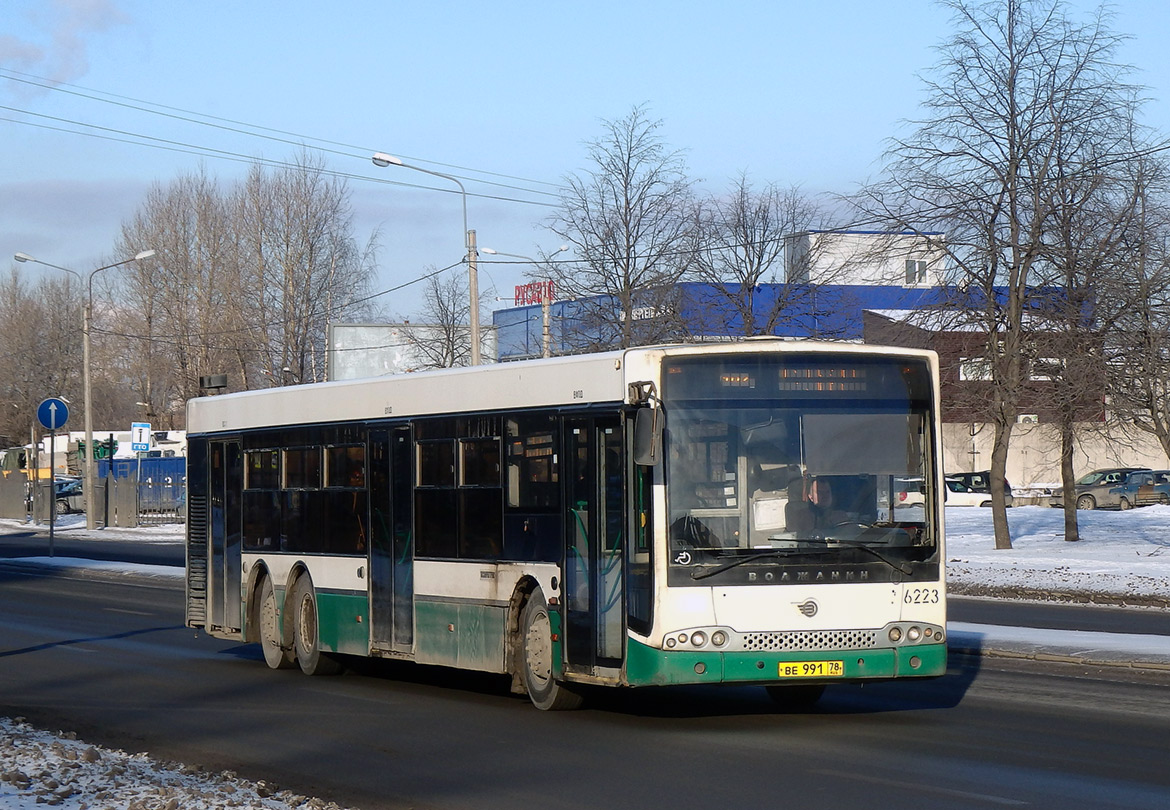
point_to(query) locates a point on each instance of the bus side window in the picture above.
(532, 521)
(480, 502)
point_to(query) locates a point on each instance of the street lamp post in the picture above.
(382, 159)
(87, 316)
(545, 299)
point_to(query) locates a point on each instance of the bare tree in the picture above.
(1018, 86)
(1137, 356)
(41, 353)
(179, 304)
(627, 219)
(742, 242)
(1094, 240)
(300, 266)
(243, 282)
(442, 337)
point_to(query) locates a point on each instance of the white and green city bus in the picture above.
(715, 514)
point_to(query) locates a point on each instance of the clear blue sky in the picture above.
(788, 92)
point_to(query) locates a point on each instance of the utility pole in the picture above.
(546, 328)
(473, 293)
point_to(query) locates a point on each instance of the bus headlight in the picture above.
(907, 633)
(701, 638)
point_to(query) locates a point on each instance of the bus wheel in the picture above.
(536, 659)
(276, 654)
(305, 635)
(796, 698)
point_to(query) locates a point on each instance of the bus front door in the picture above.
(392, 547)
(225, 487)
(594, 604)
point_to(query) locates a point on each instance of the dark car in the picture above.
(981, 482)
(1143, 488)
(69, 496)
(1093, 489)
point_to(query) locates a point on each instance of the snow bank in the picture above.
(38, 769)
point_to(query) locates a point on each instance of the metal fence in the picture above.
(160, 503)
(121, 502)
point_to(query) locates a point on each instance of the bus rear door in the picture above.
(392, 532)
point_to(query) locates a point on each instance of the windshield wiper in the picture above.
(897, 566)
(776, 552)
(788, 552)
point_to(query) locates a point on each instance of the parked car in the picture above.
(69, 495)
(957, 494)
(981, 482)
(1093, 489)
(1142, 488)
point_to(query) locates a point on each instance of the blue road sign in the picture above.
(139, 437)
(53, 413)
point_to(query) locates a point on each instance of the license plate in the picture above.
(812, 669)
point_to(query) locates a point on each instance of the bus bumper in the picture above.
(646, 666)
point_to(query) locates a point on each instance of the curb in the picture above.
(1062, 597)
(161, 576)
(1057, 658)
(963, 644)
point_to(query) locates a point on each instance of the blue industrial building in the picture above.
(700, 311)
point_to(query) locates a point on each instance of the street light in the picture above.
(382, 160)
(545, 298)
(87, 393)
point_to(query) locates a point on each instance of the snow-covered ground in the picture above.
(39, 769)
(1123, 555)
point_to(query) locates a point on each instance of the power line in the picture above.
(205, 151)
(47, 84)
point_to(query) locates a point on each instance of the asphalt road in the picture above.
(113, 663)
(35, 544)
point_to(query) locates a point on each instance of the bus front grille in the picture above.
(810, 640)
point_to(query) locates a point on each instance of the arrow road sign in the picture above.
(53, 413)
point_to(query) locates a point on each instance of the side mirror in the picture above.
(648, 436)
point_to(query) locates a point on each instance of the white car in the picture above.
(958, 494)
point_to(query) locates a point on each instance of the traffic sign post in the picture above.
(53, 413)
(139, 443)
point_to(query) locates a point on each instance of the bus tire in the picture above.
(277, 654)
(796, 698)
(306, 637)
(536, 659)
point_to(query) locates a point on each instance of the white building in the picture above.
(871, 258)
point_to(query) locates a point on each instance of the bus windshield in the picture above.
(787, 469)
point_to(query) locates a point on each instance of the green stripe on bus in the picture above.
(460, 635)
(646, 666)
(343, 622)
